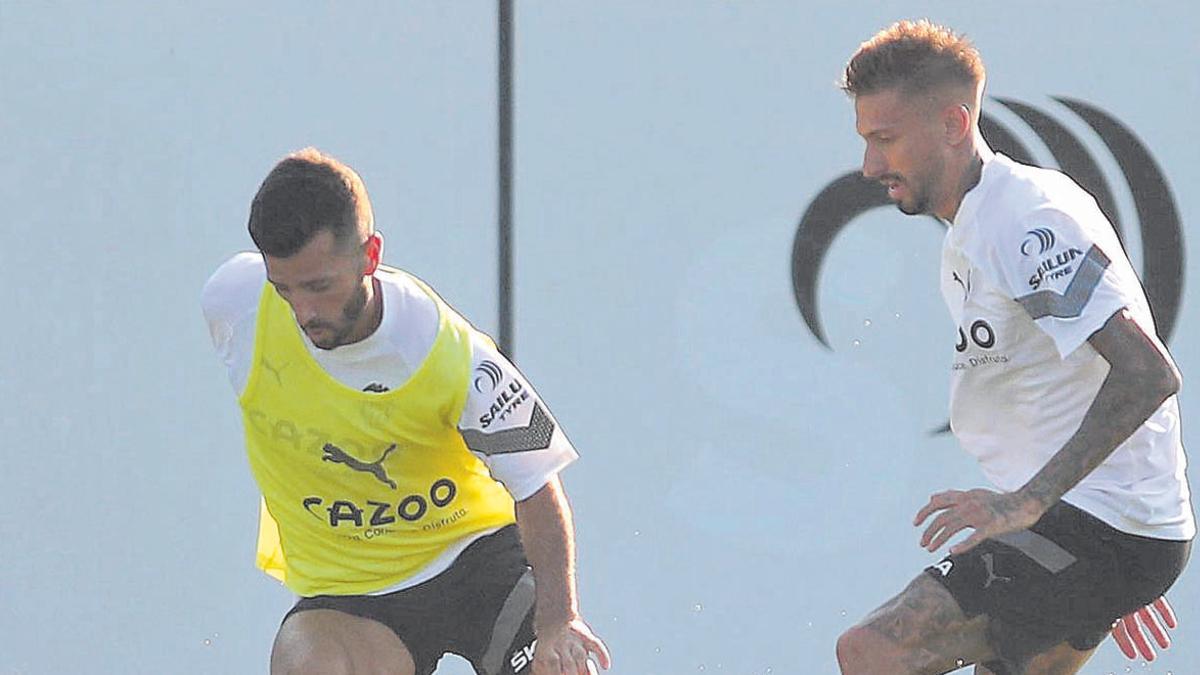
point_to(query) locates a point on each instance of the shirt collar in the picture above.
(993, 167)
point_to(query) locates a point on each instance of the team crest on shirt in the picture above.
(377, 413)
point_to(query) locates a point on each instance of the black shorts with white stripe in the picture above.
(1065, 579)
(481, 608)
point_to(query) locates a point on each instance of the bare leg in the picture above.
(329, 642)
(921, 631)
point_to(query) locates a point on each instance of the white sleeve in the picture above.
(1061, 272)
(229, 301)
(507, 425)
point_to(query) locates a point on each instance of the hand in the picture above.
(1128, 633)
(567, 649)
(989, 513)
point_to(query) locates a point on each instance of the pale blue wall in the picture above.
(744, 494)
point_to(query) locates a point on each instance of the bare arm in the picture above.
(1139, 380)
(548, 533)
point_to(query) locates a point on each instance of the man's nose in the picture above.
(873, 165)
(304, 311)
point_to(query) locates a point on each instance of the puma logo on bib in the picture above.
(338, 456)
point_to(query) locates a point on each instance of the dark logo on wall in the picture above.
(851, 195)
(487, 376)
(1041, 239)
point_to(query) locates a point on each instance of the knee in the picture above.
(849, 649)
(857, 649)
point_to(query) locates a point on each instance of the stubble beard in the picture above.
(920, 203)
(351, 312)
(918, 207)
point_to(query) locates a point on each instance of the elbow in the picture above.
(1174, 381)
(1151, 381)
(1163, 381)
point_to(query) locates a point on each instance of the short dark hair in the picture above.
(915, 56)
(307, 192)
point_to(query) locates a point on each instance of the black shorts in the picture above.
(481, 608)
(1065, 579)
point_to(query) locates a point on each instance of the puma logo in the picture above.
(966, 285)
(277, 372)
(989, 567)
(338, 456)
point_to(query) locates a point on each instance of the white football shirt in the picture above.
(1031, 268)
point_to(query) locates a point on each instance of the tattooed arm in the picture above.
(1140, 378)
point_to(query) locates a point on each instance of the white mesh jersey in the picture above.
(499, 398)
(1031, 268)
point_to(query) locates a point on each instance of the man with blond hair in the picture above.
(1060, 388)
(409, 472)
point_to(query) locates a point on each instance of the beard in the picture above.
(916, 202)
(339, 333)
(917, 206)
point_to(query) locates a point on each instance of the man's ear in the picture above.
(956, 119)
(374, 253)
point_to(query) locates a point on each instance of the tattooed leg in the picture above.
(921, 631)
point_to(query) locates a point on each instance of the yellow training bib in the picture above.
(361, 490)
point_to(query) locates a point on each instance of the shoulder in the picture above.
(1030, 208)
(412, 317)
(234, 288)
(498, 395)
